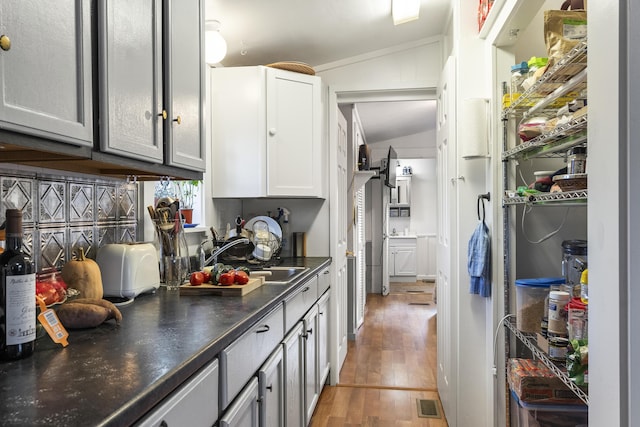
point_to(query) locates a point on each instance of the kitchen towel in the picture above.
(479, 261)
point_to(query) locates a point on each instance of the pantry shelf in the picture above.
(569, 74)
(551, 96)
(530, 343)
(578, 197)
(552, 144)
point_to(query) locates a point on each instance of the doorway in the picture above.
(338, 198)
(409, 126)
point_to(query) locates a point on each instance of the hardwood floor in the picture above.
(390, 365)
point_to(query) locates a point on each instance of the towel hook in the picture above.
(481, 199)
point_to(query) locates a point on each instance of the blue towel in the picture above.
(479, 261)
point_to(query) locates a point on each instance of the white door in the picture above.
(338, 185)
(445, 277)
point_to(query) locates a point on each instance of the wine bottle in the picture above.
(17, 294)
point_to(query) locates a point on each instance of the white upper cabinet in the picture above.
(149, 111)
(266, 136)
(131, 79)
(48, 45)
(184, 84)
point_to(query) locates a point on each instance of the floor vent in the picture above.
(428, 408)
(415, 292)
(419, 303)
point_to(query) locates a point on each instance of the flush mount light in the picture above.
(215, 45)
(405, 11)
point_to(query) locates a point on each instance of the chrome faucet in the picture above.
(214, 256)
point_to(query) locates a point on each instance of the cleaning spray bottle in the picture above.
(286, 236)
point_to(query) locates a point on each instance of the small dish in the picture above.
(190, 225)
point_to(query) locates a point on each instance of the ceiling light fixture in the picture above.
(214, 44)
(405, 11)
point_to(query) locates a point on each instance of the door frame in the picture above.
(344, 95)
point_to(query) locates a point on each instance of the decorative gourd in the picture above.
(84, 275)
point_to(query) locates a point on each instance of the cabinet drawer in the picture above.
(296, 305)
(241, 360)
(196, 401)
(324, 281)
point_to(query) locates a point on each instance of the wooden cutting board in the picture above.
(224, 291)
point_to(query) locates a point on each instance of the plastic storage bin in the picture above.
(530, 295)
(530, 415)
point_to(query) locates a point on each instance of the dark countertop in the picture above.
(113, 375)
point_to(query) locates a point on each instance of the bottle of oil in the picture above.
(17, 294)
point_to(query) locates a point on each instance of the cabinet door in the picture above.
(196, 401)
(244, 411)
(238, 131)
(294, 156)
(131, 78)
(310, 336)
(271, 386)
(405, 261)
(323, 340)
(46, 76)
(293, 388)
(184, 80)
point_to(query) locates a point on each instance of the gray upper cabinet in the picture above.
(48, 45)
(150, 111)
(131, 114)
(183, 83)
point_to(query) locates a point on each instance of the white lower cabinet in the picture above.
(271, 390)
(244, 410)
(195, 403)
(290, 371)
(311, 389)
(293, 388)
(323, 340)
(402, 256)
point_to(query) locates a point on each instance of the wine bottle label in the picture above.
(20, 309)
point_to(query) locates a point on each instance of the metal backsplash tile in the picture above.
(64, 213)
(127, 196)
(106, 202)
(52, 248)
(81, 202)
(18, 193)
(51, 206)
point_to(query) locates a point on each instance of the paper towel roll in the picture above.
(474, 131)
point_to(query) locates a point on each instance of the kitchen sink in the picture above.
(281, 275)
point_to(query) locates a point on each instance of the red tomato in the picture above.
(227, 279)
(196, 278)
(242, 278)
(47, 292)
(207, 277)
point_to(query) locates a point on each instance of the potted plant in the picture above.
(187, 192)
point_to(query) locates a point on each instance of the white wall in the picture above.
(474, 314)
(403, 67)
